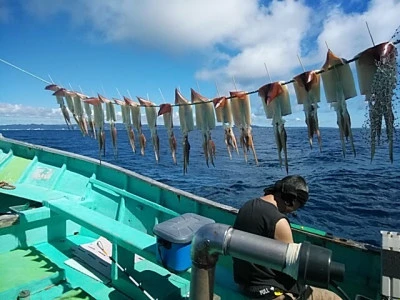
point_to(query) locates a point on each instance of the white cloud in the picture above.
(43, 115)
(173, 25)
(271, 36)
(347, 34)
(237, 37)
(234, 37)
(36, 115)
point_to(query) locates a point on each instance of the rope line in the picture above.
(7, 186)
(24, 71)
(196, 103)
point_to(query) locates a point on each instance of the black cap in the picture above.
(302, 197)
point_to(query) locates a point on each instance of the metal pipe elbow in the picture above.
(208, 242)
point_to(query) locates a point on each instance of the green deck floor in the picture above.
(26, 269)
(42, 270)
(14, 169)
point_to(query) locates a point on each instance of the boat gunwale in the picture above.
(149, 180)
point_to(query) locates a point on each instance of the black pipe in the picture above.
(305, 262)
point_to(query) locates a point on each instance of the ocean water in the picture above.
(350, 197)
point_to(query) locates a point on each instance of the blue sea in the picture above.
(350, 197)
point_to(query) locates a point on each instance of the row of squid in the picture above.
(376, 69)
(206, 114)
(377, 76)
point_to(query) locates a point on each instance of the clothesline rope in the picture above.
(196, 103)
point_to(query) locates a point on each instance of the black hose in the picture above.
(339, 289)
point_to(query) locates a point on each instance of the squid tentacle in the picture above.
(187, 125)
(276, 103)
(205, 121)
(151, 115)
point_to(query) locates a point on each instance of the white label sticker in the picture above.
(42, 173)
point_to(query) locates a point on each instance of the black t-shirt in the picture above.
(260, 217)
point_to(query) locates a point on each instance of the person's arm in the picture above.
(283, 232)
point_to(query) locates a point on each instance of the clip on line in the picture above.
(101, 247)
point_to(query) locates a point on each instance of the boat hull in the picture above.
(63, 200)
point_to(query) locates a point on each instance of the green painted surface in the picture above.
(34, 193)
(121, 234)
(59, 251)
(22, 266)
(4, 156)
(309, 229)
(72, 183)
(124, 207)
(167, 282)
(34, 214)
(13, 170)
(27, 269)
(168, 285)
(134, 197)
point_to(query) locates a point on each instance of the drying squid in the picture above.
(52, 87)
(276, 103)
(151, 115)
(205, 121)
(89, 114)
(186, 124)
(137, 124)
(60, 94)
(240, 103)
(377, 76)
(166, 111)
(339, 86)
(223, 113)
(77, 101)
(69, 99)
(307, 88)
(126, 120)
(112, 118)
(98, 120)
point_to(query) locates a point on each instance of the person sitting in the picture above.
(266, 216)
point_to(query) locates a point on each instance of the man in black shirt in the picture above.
(266, 216)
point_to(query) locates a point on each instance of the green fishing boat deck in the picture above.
(62, 201)
(41, 269)
(46, 236)
(59, 209)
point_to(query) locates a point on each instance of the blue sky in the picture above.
(148, 46)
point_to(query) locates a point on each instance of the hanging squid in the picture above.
(377, 76)
(166, 111)
(52, 87)
(126, 120)
(339, 86)
(89, 114)
(112, 118)
(137, 125)
(151, 115)
(98, 121)
(307, 88)
(60, 94)
(276, 103)
(240, 103)
(77, 101)
(186, 124)
(223, 112)
(69, 98)
(205, 121)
